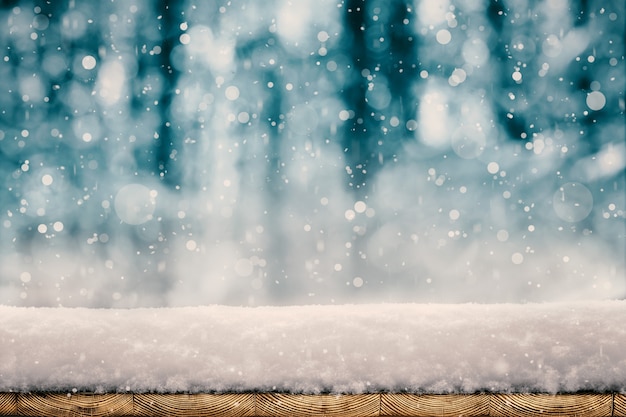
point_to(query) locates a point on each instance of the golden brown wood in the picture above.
(196, 405)
(575, 405)
(417, 405)
(279, 405)
(294, 405)
(619, 405)
(74, 405)
(8, 403)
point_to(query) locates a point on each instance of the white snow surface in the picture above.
(430, 348)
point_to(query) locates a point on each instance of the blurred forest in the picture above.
(166, 153)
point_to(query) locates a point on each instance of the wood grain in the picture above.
(8, 403)
(575, 405)
(416, 405)
(297, 405)
(74, 405)
(196, 405)
(619, 405)
(293, 405)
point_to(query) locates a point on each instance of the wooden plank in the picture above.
(619, 405)
(74, 405)
(296, 405)
(575, 405)
(279, 405)
(8, 403)
(418, 405)
(196, 405)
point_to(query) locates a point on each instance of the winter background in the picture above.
(245, 153)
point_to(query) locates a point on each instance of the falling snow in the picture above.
(320, 153)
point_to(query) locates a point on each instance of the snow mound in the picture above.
(431, 348)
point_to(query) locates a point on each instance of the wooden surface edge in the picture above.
(619, 405)
(301, 405)
(8, 403)
(93, 405)
(519, 405)
(197, 405)
(441, 405)
(328, 405)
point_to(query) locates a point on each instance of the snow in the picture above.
(434, 348)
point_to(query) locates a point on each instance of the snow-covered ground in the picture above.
(434, 348)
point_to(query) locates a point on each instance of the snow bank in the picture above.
(311, 349)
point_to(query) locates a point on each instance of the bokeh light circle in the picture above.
(572, 202)
(135, 204)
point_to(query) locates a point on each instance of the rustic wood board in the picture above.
(293, 405)
(196, 405)
(416, 405)
(296, 405)
(75, 405)
(619, 405)
(574, 405)
(8, 403)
